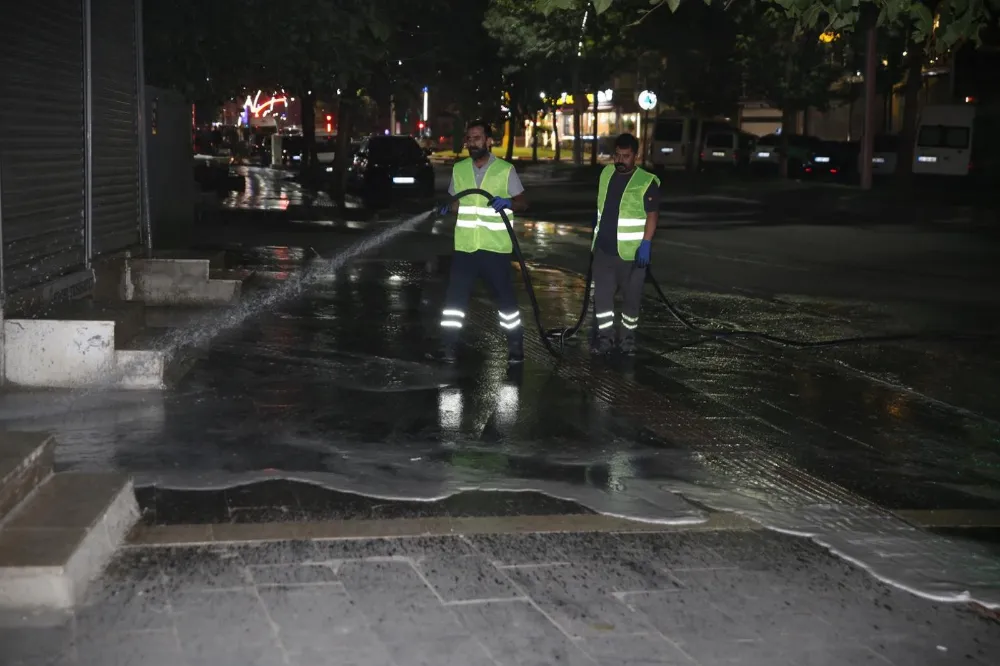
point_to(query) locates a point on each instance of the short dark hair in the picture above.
(479, 122)
(627, 141)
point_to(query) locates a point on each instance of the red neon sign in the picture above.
(263, 109)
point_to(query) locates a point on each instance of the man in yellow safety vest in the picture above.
(482, 244)
(628, 203)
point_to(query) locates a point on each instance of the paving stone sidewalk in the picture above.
(677, 598)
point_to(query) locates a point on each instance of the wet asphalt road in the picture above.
(333, 385)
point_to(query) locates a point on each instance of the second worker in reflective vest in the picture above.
(482, 244)
(628, 203)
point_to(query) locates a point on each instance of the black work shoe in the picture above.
(515, 351)
(627, 346)
(443, 355)
(515, 374)
(601, 346)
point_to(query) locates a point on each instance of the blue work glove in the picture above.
(444, 210)
(642, 254)
(499, 204)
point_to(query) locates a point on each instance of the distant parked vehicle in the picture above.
(675, 137)
(884, 155)
(830, 159)
(727, 150)
(947, 141)
(765, 157)
(385, 166)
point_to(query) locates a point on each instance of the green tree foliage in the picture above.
(187, 49)
(784, 62)
(691, 58)
(958, 20)
(533, 50)
(465, 69)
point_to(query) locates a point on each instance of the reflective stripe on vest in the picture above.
(631, 210)
(480, 227)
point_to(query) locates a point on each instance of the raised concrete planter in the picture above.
(71, 353)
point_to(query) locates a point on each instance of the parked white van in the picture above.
(955, 140)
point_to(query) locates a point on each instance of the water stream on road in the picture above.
(209, 326)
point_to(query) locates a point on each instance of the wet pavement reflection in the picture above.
(269, 189)
(333, 387)
(336, 384)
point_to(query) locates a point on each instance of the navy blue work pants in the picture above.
(494, 269)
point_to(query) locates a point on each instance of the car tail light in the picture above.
(809, 170)
(833, 171)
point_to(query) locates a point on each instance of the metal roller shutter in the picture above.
(115, 137)
(41, 141)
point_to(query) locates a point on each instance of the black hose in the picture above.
(561, 335)
(545, 335)
(724, 333)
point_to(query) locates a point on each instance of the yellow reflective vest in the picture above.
(479, 226)
(631, 210)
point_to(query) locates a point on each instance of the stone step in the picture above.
(129, 317)
(174, 278)
(25, 461)
(158, 289)
(216, 259)
(181, 282)
(58, 540)
(67, 353)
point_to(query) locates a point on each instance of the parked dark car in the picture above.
(766, 154)
(832, 159)
(387, 166)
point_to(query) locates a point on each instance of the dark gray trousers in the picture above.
(613, 275)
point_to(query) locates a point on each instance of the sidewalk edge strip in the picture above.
(175, 535)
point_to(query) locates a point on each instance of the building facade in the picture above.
(72, 156)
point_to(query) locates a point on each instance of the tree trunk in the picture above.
(787, 127)
(593, 152)
(577, 137)
(343, 156)
(868, 138)
(534, 139)
(887, 110)
(511, 125)
(850, 118)
(911, 101)
(787, 114)
(308, 132)
(694, 159)
(555, 136)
